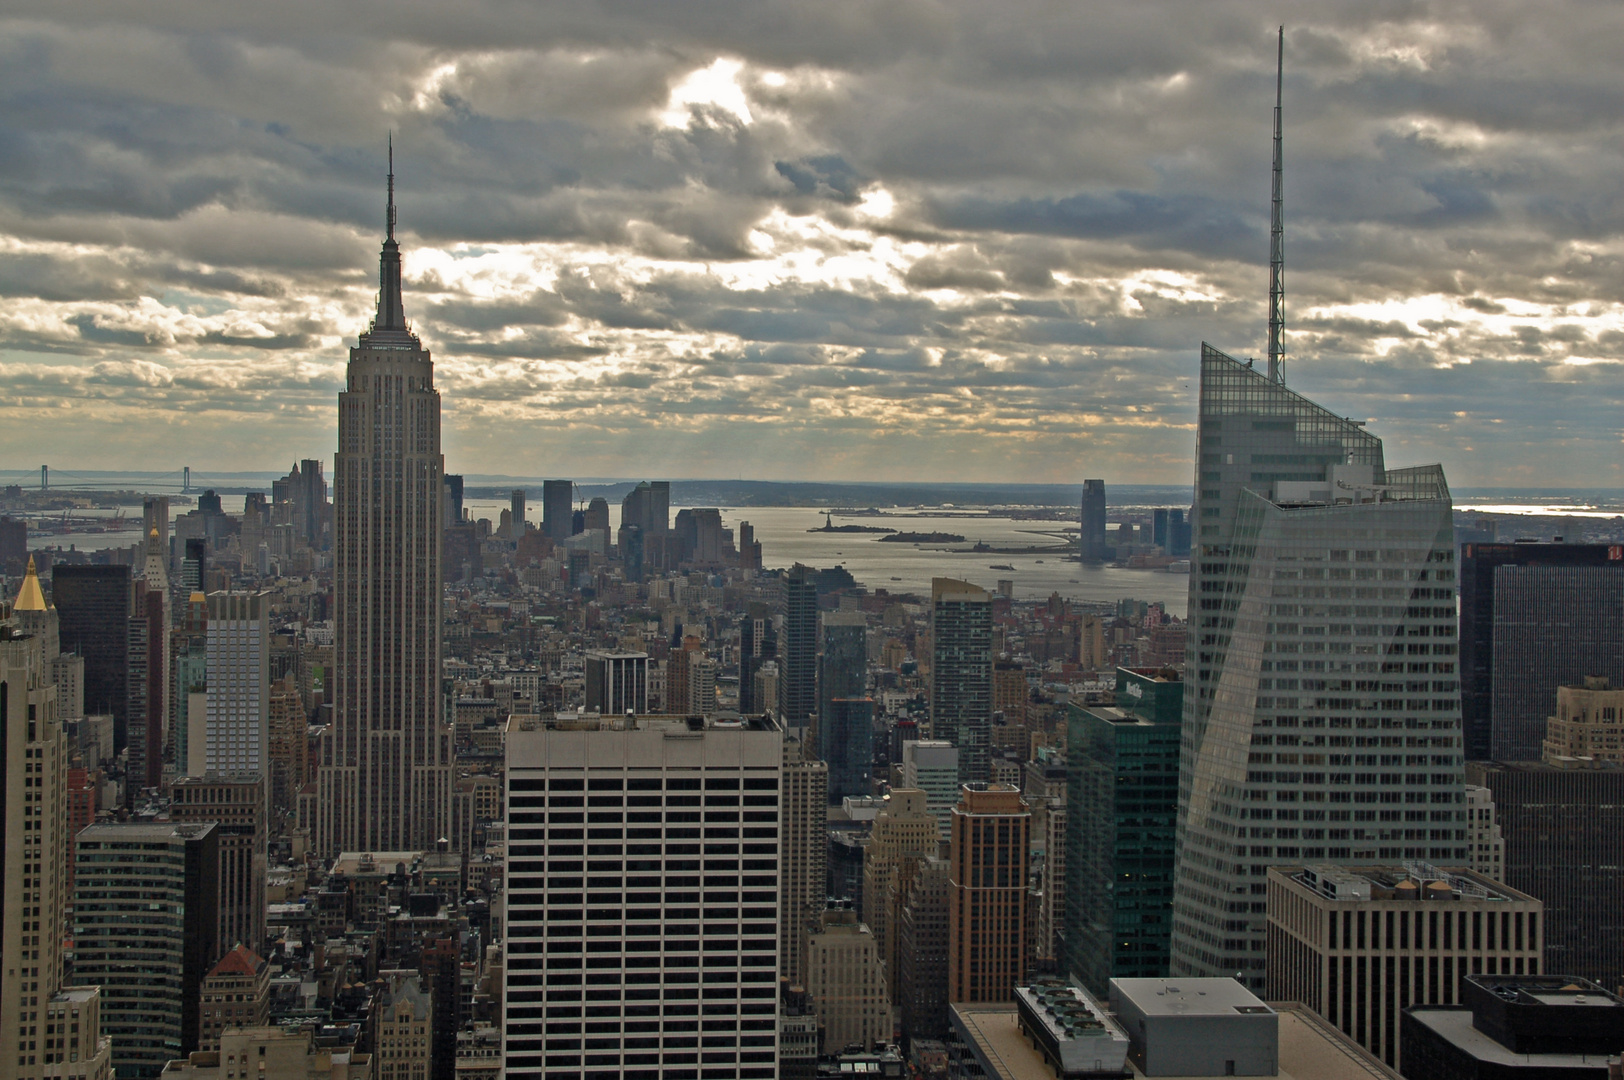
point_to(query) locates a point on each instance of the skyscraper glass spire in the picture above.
(1322, 701)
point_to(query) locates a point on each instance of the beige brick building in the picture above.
(1358, 946)
(236, 994)
(1589, 722)
(904, 830)
(45, 1029)
(846, 983)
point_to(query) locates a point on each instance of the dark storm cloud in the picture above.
(969, 241)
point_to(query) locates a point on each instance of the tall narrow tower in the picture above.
(1277, 230)
(386, 762)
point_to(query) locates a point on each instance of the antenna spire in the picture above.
(1277, 233)
(390, 223)
(391, 311)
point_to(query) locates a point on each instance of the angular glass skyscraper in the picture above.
(1322, 700)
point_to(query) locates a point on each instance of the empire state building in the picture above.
(386, 761)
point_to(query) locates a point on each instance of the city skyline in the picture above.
(762, 241)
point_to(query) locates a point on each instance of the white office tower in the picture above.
(1322, 702)
(236, 732)
(386, 761)
(642, 902)
(932, 766)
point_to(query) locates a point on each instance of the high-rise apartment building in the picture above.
(308, 493)
(1094, 547)
(803, 859)
(932, 766)
(1483, 834)
(616, 681)
(1322, 711)
(1533, 617)
(986, 914)
(758, 642)
(452, 501)
(749, 547)
(653, 953)
(148, 676)
(238, 651)
(846, 982)
(843, 665)
(1122, 763)
(648, 507)
(904, 830)
(235, 803)
(961, 672)
(93, 609)
(1564, 843)
(798, 649)
(35, 844)
(289, 748)
(1010, 691)
(922, 947)
(145, 914)
(517, 522)
(1361, 946)
(189, 684)
(1589, 721)
(558, 509)
(386, 768)
(846, 730)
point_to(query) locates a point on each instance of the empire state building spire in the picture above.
(386, 777)
(391, 311)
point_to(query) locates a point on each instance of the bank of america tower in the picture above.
(386, 760)
(1322, 715)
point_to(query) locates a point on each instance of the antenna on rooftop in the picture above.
(1277, 237)
(390, 224)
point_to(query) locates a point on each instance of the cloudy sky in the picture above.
(849, 239)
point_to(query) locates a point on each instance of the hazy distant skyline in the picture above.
(783, 241)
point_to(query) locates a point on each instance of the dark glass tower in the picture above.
(846, 731)
(558, 509)
(1564, 830)
(1093, 521)
(843, 667)
(798, 649)
(1533, 617)
(961, 672)
(93, 609)
(1122, 799)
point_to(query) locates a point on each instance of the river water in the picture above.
(908, 568)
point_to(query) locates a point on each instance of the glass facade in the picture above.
(798, 649)
(93, 609)
(961, 673)
(1563, 830)
(1322, 716)
(1533, 617)
(1122, 805)
(847, 734)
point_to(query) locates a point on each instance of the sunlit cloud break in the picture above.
(787, 242)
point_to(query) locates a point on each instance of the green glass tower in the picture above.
(1122, 798)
